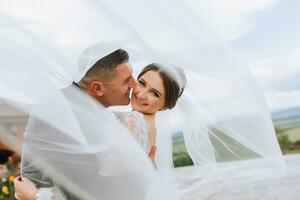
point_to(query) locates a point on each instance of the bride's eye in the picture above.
(141, 82)
(155, 94)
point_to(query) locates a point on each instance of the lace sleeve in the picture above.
(136, 124)
(52, 193)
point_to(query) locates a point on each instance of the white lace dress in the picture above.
(52, 193)
(136, 124)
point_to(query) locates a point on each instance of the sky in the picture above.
(267, 33)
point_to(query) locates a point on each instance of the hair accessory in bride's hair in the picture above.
(179, 76)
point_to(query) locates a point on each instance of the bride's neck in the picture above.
(149, 116)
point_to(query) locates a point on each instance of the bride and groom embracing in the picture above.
(109, 81)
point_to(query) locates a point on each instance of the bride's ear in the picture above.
(163, 108)
(96, 89)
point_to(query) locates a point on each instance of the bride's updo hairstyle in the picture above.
(174, 81)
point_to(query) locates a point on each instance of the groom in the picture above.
(109, 81)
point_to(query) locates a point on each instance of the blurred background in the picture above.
(266, 34)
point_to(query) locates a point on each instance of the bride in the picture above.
(158, 88)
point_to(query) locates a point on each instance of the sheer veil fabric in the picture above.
(222, 114)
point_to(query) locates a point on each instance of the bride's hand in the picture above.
(151, 154)
(24, 189)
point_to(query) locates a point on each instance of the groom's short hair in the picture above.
(104, 69)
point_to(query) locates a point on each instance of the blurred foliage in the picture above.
(8, 172)
(283, 140)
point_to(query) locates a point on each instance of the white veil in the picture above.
(90, 156)
(225, 117)
(232, 123)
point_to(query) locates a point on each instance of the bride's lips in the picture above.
(139, 101)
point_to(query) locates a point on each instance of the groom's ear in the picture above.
(96, 88)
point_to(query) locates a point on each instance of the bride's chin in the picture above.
(135, 106)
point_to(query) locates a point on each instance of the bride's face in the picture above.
(149, 94)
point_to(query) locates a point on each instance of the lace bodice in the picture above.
(136, 124)
(52, 193)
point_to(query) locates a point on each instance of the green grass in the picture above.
(294, 134)
(294, 151)
(180, 155)
(182, 158)
(291, 127)
(179, 146)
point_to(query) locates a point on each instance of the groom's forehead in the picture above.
(125, 67)
(130, 66)
(124, 71)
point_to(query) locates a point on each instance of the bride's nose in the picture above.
(141, 94)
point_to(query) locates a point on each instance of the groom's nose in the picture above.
(132, 83)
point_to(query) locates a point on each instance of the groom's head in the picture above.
(110, 79)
